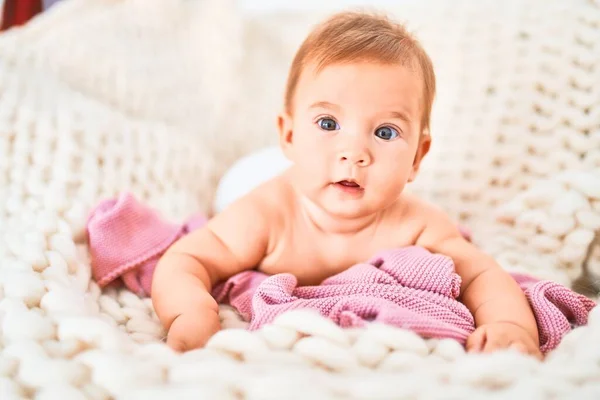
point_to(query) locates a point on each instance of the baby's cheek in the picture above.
(390, 183)
(315, 158)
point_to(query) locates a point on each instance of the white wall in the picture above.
(265, 5)
(262, 5)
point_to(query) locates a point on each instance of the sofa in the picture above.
(162, 99)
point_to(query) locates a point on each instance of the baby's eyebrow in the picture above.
(404, 116)
(325, 104)
(399, 115)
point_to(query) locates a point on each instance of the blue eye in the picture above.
(386, 133)
(328, 124)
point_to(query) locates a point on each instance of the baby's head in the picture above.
(356, 112)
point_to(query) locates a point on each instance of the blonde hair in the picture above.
(357, 36)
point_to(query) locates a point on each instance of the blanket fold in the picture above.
(408, 287)
(126, 239)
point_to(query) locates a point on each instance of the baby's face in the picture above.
(354, 136)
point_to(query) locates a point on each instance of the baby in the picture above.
(355, 126)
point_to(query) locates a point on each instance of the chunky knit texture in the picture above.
(159, 97)
(408, 288)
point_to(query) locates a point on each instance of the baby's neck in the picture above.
(334, 225)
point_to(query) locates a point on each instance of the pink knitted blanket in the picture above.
(407, 287)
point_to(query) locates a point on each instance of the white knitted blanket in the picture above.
(161, 96)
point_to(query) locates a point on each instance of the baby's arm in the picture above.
(233, 241)
(501, 310)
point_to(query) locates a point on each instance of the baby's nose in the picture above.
(360, 158)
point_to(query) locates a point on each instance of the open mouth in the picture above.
(348, 186)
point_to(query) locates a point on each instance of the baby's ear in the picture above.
(284, 123)
(422, 150)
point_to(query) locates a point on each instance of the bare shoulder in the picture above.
(436, 224)
(413, 206)
(257, 208)
(255, 216)
(275, 193)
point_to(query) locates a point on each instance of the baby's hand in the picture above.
(502, 335)
(192, 331)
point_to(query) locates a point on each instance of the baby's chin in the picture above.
(356, 209)
(342, 207)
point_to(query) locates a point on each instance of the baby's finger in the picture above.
(520, 347)
(476, 341)
(495, 342)
(529, 350)
(189, 332)
(176, 337)
(177, 344)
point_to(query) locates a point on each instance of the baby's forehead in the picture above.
(315, 71)
(365, 76)
(366, 90)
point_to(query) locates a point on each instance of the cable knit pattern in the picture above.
(158, 98)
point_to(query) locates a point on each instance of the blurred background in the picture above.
(19, 11)
(162, 97)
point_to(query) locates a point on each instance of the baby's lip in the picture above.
(351, 183)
